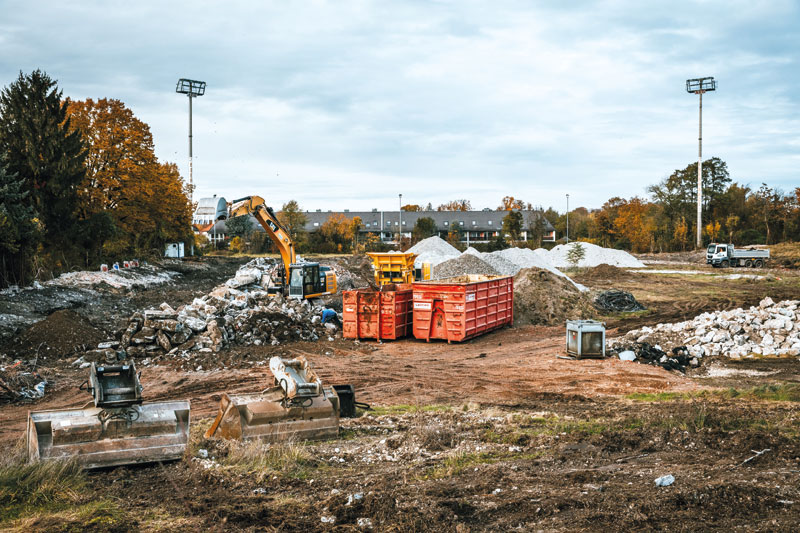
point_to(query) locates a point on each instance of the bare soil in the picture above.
(495, 434)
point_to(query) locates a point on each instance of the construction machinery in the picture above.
(295, 407)
(116, 428)
(725, 255)
(398, 267)
(302, 279)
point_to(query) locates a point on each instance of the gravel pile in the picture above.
(238, 312)
(433, 250)
(594, 255)
(501, 265)
(461, 265)
(769, 329)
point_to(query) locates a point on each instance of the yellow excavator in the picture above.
(305, 279)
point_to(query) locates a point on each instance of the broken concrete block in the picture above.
(169, 325)
(163, 341)
(179, 337)
(195, 324)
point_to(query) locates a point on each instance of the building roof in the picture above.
(473, 220)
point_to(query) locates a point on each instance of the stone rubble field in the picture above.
(237, 312)
(770, 329)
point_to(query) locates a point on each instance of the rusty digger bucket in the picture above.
(118, 429)
(297, 408)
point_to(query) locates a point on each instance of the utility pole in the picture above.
(193, 89)
(699, 86)
(567, 218)
(400, 222)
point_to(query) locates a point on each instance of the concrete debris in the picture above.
(665, 481)
(771, 329)
(238, 312)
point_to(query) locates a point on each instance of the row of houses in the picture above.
(474, 226)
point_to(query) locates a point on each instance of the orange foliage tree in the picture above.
(456, 205)
(634, 223)
(145, 198)
(509, 202)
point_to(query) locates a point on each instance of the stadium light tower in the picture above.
(192, 89)
(699, 86)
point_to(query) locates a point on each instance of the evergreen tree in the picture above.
(35, 136)
(17, 229)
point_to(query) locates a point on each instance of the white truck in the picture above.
(725, 255)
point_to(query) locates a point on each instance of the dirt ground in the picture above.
(494, 434)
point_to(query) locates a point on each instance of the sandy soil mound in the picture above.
(606, 272)
(59, 335)
(541, 297)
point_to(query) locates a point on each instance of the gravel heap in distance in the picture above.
(594, 255)
(433, 250)
(769, 329)
(461, 265)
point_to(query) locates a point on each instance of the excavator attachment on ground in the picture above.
(117, 428)
(297, 407)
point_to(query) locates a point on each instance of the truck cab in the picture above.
(716, 251)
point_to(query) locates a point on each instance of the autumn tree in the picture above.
(537, 226)
(336, 233)
(455, 205)
(424, 227)
(145, 198)
(512, 226)
(44, 152)
(356, 225)
(240, 226)
(509, 202)
(411, 208)
(681, 233)
(634, 224)
(293, 219)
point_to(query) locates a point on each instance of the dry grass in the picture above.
(262, 461)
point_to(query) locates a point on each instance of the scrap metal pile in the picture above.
(238, 312)
(614, 300)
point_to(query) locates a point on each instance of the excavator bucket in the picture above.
(118, 430)
(298, 407)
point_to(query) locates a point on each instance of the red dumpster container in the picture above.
(461, 308)
(370, 314)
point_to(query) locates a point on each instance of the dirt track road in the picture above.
(508, 367)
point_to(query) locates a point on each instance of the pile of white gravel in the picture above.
(510, 261)
(433, 250)
(593, 255)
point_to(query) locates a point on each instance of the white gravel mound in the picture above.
(433, 250)
(594, 255)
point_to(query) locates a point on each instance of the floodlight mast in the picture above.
(193, 89)
(699, 86)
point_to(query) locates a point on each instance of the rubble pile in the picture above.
(461, 265)
(239, 312)
(19, 383)
(769, 329)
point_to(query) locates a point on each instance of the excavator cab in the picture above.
(310, 280)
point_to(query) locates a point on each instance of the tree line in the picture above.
(79, 183)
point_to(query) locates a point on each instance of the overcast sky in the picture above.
(346, 104)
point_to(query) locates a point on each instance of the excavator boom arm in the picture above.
(255, 205)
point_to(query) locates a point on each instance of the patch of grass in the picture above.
(458, 462)
(97, 515)
(25, 486)
(260, 460)
(380, 410)
(787, 392)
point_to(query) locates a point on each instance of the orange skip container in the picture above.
(384, 314)
(457, 309)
